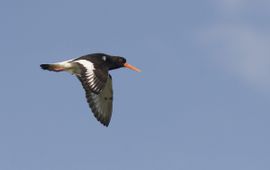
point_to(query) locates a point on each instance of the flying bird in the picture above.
(93, 72)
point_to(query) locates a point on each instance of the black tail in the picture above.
(52, 67)
(45, 66)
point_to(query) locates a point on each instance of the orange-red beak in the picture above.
(131, 67)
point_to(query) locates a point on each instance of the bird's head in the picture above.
(118, 62)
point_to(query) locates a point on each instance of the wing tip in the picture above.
(105, 124)
(103, 120)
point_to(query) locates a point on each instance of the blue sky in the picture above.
(200, 102)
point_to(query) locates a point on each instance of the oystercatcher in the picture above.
(92, 71)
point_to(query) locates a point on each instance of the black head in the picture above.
(111, 62)
(116, 62)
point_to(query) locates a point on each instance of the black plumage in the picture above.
(92, 71)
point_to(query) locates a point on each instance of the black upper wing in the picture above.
(93, 78)
(102, 104)
(97, 84)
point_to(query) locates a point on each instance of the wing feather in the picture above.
(93, 79)
(101, 104)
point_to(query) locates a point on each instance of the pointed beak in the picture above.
(131, 67)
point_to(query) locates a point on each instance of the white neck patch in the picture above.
(104, 58)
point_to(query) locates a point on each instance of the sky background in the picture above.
(201, 102)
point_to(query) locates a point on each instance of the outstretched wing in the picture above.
(101, 104)
(93, 79)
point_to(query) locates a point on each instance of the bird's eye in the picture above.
(123, 60)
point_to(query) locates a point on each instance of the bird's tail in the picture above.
(52, 67)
